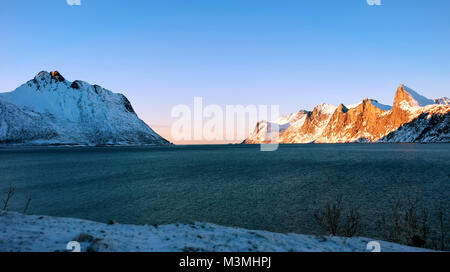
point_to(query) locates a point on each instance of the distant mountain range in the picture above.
(413, 118)
(49, 110)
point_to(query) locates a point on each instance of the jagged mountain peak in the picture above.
(372, 102)
(378, 105)
(411, 119)
(49, 76)
(54, 82)
(46, 80)
(407, 99)
(325, 108)
(342, 108)
(57, 76)
(366, 102)
(43, 75)
(442, 101)
(290, 118)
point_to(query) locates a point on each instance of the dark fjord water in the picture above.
(229, 185)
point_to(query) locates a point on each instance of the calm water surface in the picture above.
(229, 185)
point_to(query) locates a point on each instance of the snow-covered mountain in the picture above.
(49, 110)
(412, 118)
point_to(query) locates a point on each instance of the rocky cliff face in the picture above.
(412, 118)
(49, 110)
(432, 125)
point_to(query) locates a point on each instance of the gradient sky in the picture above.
(293, 53)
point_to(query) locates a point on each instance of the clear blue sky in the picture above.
(290, 52)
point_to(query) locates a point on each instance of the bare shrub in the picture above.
(425, 225)
(395, 232)
(389, 226)
(409, 223)
(442, 232)
(352, 222)
(330, 218)
(9, 195)
(27, 205)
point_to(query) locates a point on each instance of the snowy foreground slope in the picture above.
(412, 118)
(48, 234)
(49, 110)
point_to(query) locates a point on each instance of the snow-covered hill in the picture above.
(49, 110)
(412, 118)
(21, 233)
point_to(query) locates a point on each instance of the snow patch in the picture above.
(417, 100)
(325, 108)
(374, 103)
(24, 233)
